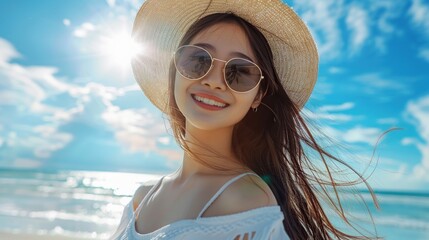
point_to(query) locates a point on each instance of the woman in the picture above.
(232, 76)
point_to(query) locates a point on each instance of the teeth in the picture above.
(209, 101)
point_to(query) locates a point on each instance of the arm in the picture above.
(138, 196)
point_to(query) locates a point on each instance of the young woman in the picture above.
(232, 77)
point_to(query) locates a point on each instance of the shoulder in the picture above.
(246, 193)
(140, 193)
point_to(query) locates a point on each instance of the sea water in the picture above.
(89, 205)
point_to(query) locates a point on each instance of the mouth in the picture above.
(209, 103)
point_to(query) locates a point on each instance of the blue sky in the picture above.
(68, 99)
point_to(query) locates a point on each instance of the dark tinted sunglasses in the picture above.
(194, 62)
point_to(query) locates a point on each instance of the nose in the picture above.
(215, 77)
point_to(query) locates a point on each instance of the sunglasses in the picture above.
(194, 62)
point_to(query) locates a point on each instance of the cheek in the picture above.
(180, 86)
(246, 100)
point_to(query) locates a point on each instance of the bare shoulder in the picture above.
(247, 193)
(140, 193)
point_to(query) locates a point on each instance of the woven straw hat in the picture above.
(160, 25)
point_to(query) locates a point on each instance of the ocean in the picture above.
(89, 205)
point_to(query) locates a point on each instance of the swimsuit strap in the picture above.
(147, 195)
(221, 190)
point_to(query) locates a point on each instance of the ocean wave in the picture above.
(59, 231)
(408, 200)
(400, 221)
(52, 215)
(392, 221)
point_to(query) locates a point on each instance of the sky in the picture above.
(68, 99)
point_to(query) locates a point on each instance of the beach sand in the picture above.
(21, 236)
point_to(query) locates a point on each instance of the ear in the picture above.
(258, 99)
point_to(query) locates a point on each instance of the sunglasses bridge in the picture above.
(220, 60)
(223, 71)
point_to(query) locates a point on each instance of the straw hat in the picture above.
(160, 25)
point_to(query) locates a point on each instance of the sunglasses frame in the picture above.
(212, 64)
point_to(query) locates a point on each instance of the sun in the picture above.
(118, 49)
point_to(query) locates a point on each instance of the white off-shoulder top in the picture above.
(264, 223)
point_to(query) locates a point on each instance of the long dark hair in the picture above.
(271, 142)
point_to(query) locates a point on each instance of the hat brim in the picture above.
(160, 25)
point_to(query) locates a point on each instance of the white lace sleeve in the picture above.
(274, 231)
(125, 219)
(277, 231)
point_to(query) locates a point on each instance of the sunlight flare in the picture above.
(119, 49)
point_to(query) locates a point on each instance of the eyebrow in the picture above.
(212, 48)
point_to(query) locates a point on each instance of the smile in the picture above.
(208, 101)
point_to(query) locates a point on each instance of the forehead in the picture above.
(226, 38)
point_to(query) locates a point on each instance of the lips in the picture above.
(209, 102)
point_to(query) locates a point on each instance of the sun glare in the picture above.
(119, 50)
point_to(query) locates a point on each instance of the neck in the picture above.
(212, 147)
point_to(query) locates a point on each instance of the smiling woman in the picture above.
(246, 173)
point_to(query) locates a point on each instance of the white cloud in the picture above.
(332, 117)
(341, 107)
(419, 12)
(380, 21)
(362, 135)
(395, 174)
(322, 17)
(382, 15)
(335, 70)
(417, 112)
(124, 6)
(424, 53)
(322, 89)
(66, 22)
(50, 140)
(357, 23)
(388, 11)
(17, 88)
(374, 24)
(325, 112)
(375, 82)
(164, 140)
(65, 115)
(356, 134)
(42, 140)
(389, 121)
(11, 138)
(139, 130)
(7, 52)
(26, 86)
(25, 89)
(111, 3)
(83, 30)
(44, 76)
(408, 141)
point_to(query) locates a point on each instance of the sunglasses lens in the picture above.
(192, 62)
(242, 75)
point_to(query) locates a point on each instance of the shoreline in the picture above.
(28, 236)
